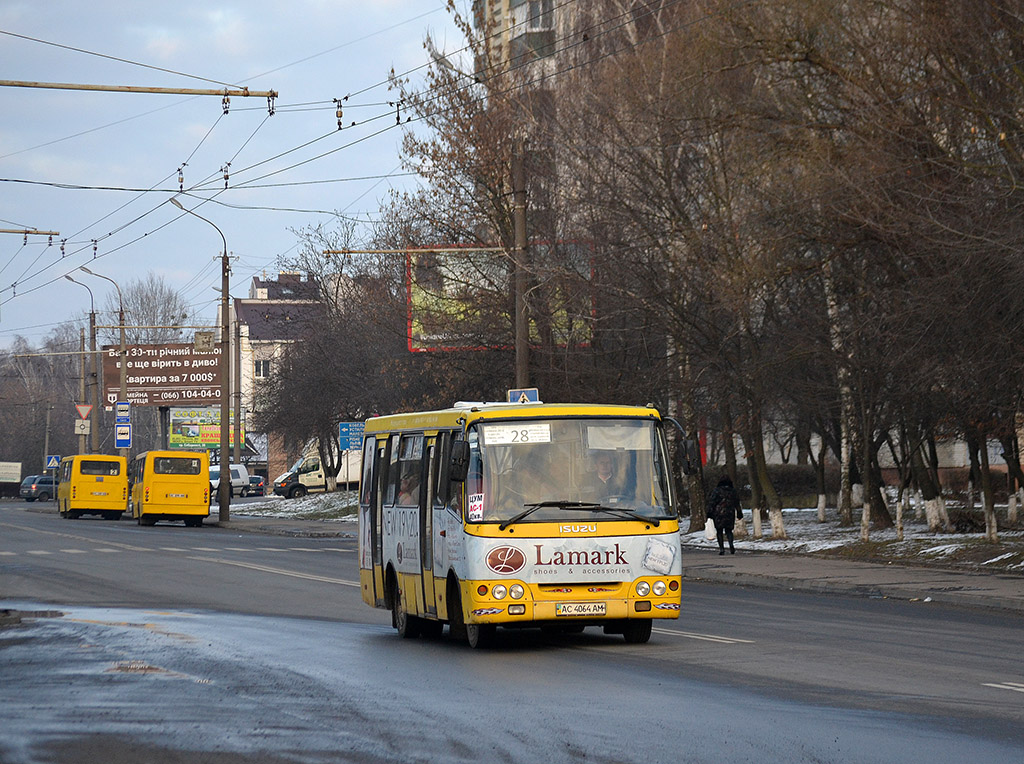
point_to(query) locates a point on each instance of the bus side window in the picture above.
(410, 470)
(368, 455)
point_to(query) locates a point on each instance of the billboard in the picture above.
(198, 428)
(463, 300)
(163, 375)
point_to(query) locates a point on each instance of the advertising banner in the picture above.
(198, 428)
(10, 472)
(162, 375)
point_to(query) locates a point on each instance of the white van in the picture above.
(239, 480)
(308, 476)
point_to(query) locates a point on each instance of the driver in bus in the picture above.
(604, 482)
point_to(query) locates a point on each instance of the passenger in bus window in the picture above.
(409, 495)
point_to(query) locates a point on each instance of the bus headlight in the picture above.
(499, 592)
(643, 588)
(659, 588)
(516, 591)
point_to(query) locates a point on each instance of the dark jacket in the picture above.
(724, 505)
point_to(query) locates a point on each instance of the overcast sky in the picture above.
(98, 166)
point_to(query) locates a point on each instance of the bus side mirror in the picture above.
(691, 457)
(690, 450)
(458, 465)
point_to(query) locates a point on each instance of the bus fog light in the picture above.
(643, 607)
(643, 588)
(516, 592)
(516, 609)
(659, 588)
(499, 592)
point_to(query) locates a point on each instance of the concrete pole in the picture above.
(522, 324)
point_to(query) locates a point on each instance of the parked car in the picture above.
(239, 480)
(257, 485)
(38, 487)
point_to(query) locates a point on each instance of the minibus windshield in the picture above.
(541, 470)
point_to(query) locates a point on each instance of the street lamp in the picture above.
(224, 489)
(123, 394)
(93, 380)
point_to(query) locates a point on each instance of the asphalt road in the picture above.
(182, 644)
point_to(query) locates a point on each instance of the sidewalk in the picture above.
(835, 576)
(769, 570)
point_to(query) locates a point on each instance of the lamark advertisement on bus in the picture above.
(620, 558)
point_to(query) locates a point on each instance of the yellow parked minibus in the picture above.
(559, 516)
(170, 485)
(94, 484)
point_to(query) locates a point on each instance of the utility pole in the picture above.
(81, 387)
(224, 488)
(236, 451)
(522, 324)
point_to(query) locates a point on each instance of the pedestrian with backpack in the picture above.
(724, 510)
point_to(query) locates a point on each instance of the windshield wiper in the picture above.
(529, 509)
(589, 506)
(635, 515)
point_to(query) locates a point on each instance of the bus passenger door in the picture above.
(376, 530)
(427, 504)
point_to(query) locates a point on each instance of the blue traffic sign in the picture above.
(524, 395)
(52, 461)
(122, 436)
(350, 435)
(122, 413)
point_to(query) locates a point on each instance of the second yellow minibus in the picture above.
(170, 485)
(94, 484)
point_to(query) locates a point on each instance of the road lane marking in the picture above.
(106, 551)
(84, 539)
(279, 571)
(73, 551)
(8, 554)
(171, 549)
(705, 637)
(1015, 686)
(38, 551)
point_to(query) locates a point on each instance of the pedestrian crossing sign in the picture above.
(524, 395)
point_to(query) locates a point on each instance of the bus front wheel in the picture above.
(637, 632)
(408, 626)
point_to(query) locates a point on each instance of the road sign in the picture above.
(122, 412)
(524, 395)
(52, 461)
(350, 435)
(122, 436)
(83, 409)
(204, 342)
(82, 427)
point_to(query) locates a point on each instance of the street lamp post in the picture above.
(123, 394)
(94, 396)
(224, 489)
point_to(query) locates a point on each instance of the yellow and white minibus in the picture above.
(96, 484)
(551, 515)
(170, 485)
